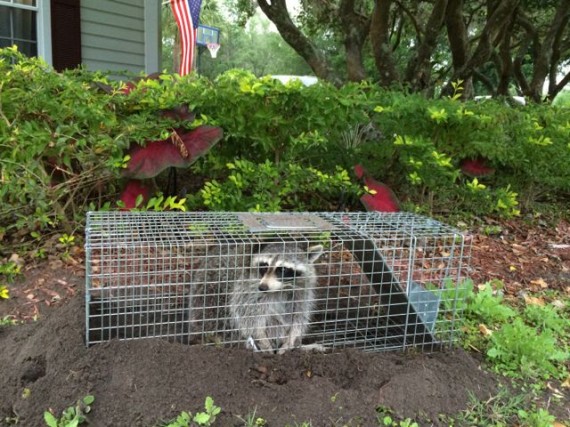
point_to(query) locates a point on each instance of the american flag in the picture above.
(187, 15)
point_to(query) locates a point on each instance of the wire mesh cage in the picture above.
(275, 281)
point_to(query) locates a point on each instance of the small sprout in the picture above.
(67, 240)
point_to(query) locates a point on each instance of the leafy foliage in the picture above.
(205, 418)
(72, 416)
(65, 137)
(67, 145)
(502, 410)
(547, 318)
(487, 306)
(156, 156)
(8, 272)
(517, 348)
(274, 187)
(531, 343)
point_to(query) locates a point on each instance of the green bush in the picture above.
(274, 187)
(317, 126)
(63, 143)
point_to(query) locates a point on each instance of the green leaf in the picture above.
(201, 418)
(209, 404)
(89, 399)
(50, 419)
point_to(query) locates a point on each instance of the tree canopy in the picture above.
(497, 47)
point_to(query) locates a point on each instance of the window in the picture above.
(18, 25)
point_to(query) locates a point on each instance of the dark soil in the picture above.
(143, 382)
(146, 382)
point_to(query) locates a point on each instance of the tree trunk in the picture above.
(458, 43)
(418, 72)
(380, 39)
(498, 12)
(356, 29)
(544, 52)
(504, 62)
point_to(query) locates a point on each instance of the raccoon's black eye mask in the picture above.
(263, 267)
(283, 273)
(286, 273)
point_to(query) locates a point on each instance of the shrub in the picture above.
(65, 144)
(64, 139)
(275, 187)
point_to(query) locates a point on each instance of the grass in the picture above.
(504, 410)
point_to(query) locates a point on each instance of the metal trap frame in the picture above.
(386, 281)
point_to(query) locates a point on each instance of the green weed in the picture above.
(7, 320)
(10, 271)
(252, 420)
(517, 349)
(205, 418)
(72, 416)
(386, 418)
(488, 306)
(547, 318)
(503, 410)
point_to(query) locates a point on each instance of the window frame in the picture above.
(43, 25)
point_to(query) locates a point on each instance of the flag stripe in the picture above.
(186, 13)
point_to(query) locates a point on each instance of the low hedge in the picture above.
(64, 138)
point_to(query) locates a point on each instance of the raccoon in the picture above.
(271, 305)
(217, 268)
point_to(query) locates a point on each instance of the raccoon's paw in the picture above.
(317, 348)
(250, 344)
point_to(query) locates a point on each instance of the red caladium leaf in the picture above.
(359, 171)
(180, 151)
(476, 167)
(131, 193)
(383, 199)
(128, 88)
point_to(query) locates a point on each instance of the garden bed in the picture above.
(45, 364)
(145, 381)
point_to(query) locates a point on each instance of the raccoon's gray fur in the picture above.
(273, 301)
(217, 268)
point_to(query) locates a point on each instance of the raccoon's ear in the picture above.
(315, 252)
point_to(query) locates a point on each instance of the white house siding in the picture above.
(113, 35)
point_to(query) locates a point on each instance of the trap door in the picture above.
(403, 312)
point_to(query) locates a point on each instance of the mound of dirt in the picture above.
(145, 382)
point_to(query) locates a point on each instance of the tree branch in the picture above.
(543, 56)
(415, 24)
(277, 12)
(418, 71)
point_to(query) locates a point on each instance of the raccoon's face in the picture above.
(284, 271)
(275, 274)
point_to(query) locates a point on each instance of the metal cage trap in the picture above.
(274, 281)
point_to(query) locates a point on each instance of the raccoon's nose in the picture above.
(263, 287)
